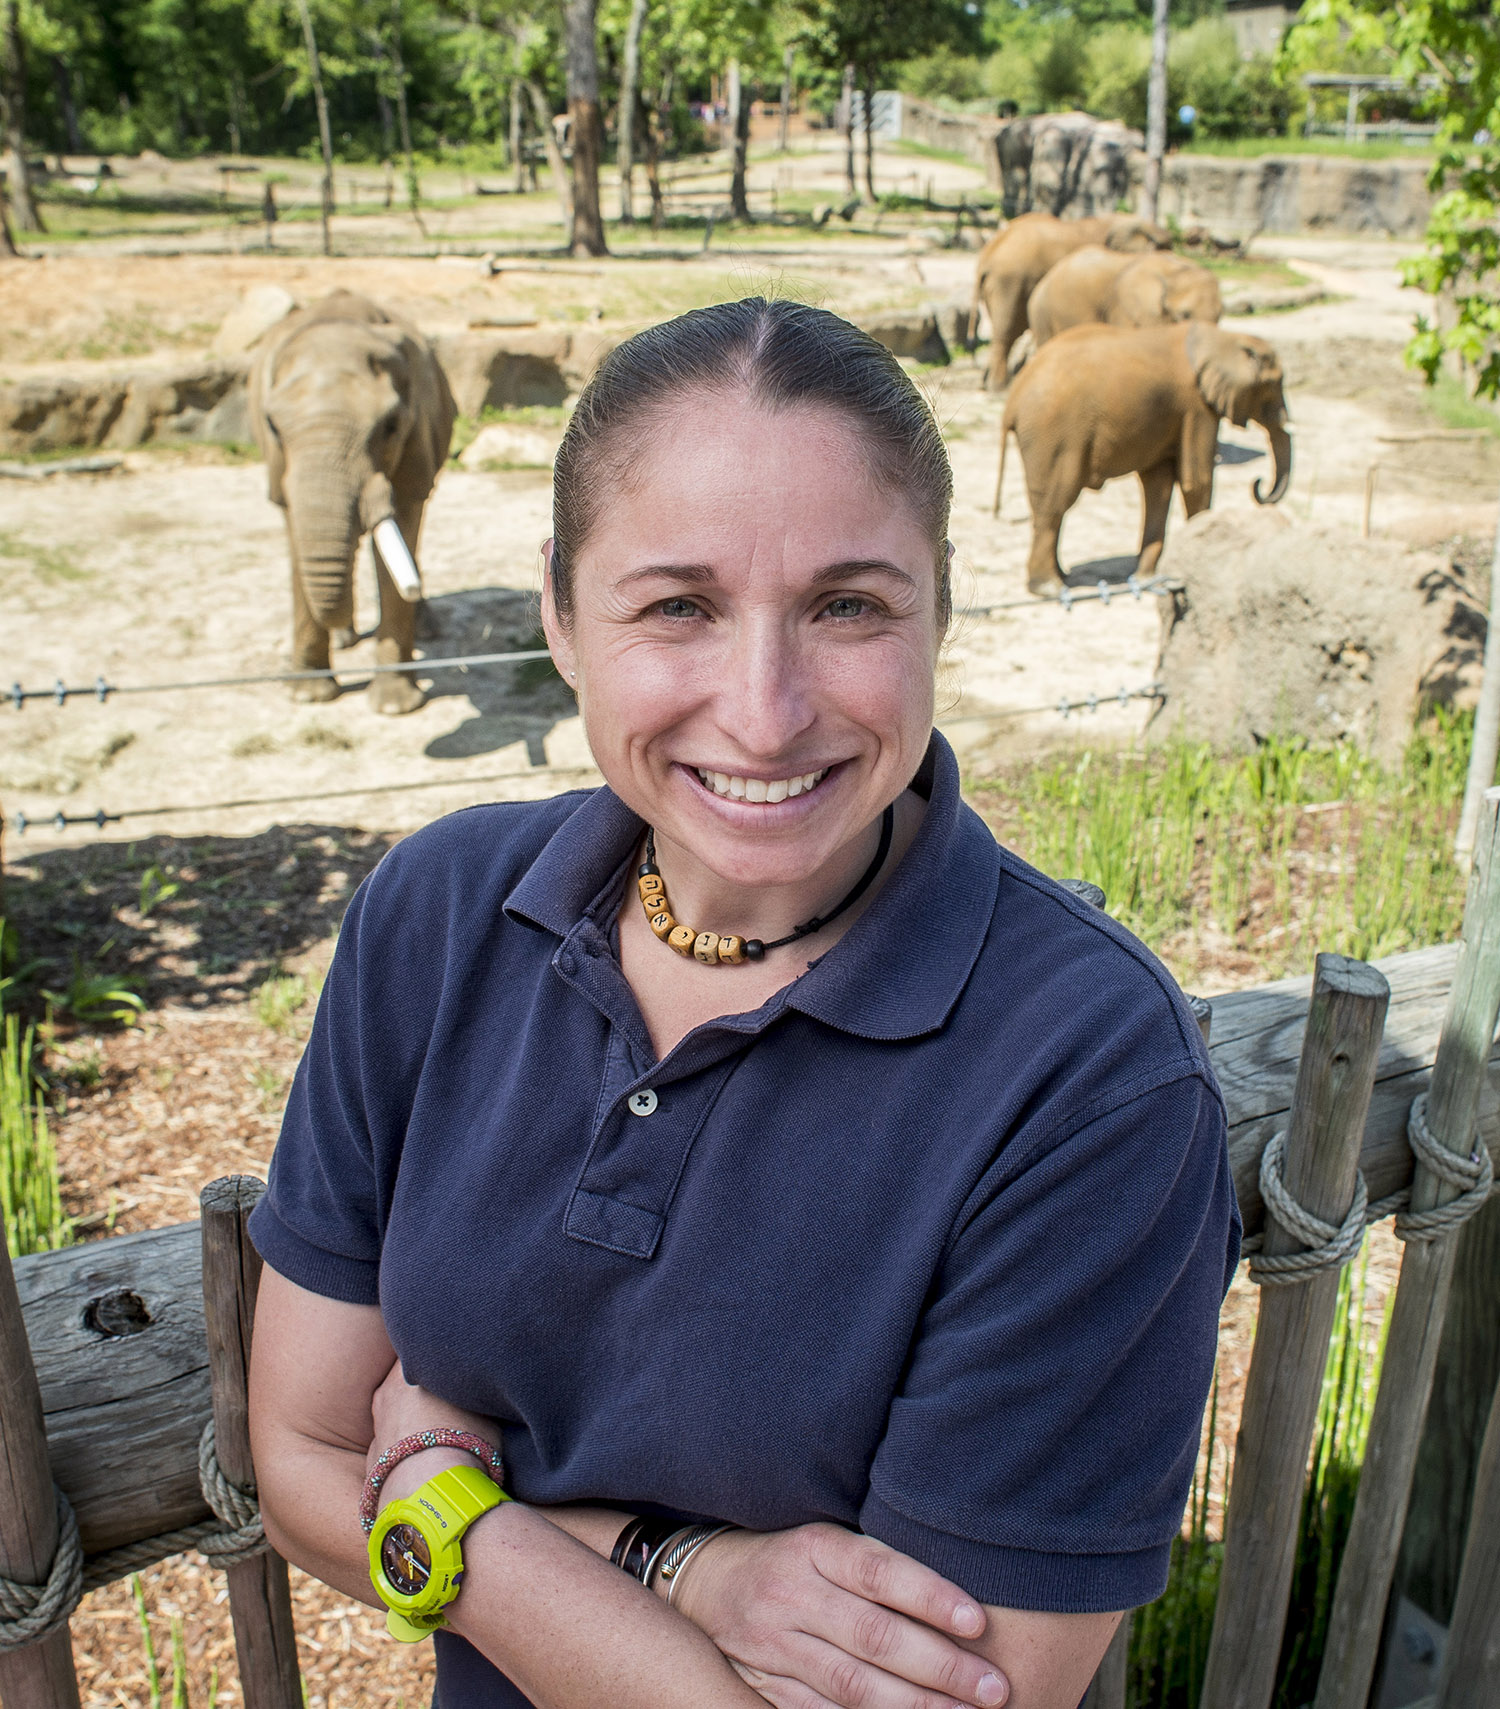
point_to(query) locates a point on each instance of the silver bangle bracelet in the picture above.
(664, 1550)
(678, 1558)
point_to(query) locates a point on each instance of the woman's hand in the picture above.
(819, 1616)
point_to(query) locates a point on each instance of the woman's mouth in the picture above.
(759, 789)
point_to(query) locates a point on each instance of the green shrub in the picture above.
(30, 1192)
(943, 76)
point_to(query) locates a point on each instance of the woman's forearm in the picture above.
(538, 1600)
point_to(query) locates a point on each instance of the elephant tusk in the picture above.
(397, 558)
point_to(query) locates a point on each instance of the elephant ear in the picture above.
(433, 412)
(266, 437)
(1227, 370)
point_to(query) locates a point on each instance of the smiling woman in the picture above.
(848, 1278)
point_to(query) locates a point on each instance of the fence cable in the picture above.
(1103, 591)
(101, 689)
(100, 817)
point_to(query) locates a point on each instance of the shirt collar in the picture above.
(896, 973)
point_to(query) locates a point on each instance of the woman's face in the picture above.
(754, 638)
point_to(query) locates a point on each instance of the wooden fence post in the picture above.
(1334, 1078)
(1112, 1679)
(1411, 1349)
(40, 1676)
(260, 1600)
(1470, 1677)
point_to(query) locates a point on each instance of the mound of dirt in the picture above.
(1289, 628)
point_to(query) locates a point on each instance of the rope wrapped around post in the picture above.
(1330, 1247)
(29, 1612)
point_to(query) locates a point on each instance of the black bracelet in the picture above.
(638, 1543)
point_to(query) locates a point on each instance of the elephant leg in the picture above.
(1048, 507)
(309, 644)
(1007, 306)
(1156, 491)
(394, 692)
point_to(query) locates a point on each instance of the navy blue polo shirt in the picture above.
(931, 1244)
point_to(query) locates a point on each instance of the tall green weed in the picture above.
(30, 1192)
(1264, 858)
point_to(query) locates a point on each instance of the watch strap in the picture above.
(465, 1491)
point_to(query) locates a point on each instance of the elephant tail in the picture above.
(1005, 427)
(971, 329)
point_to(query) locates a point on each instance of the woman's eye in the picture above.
(678, 608)
(847, 606)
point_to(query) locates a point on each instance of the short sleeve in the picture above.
(1041, 1446)
(322, 1219)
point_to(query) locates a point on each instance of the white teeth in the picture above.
(757, 789)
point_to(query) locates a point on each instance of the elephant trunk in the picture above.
(1281, 452)
(325, 526)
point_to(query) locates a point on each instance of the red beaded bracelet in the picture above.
(487, 1456)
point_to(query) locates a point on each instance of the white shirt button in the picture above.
(642, 1103)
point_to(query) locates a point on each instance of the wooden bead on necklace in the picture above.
(714, 950)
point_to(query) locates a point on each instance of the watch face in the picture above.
(405, 1559)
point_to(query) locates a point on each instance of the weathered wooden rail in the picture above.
(128, 1369)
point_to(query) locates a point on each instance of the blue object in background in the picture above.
(1186, 115)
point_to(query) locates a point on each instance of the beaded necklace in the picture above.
(715, 951)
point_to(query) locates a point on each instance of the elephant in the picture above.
(1099, 401)
(353, 415)
(1020, 255)
(1099, 284)
(1064, 162)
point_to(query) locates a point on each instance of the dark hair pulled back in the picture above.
(780, 354)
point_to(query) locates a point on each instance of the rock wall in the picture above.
(1288, 628)
(1297, 193)
(1233, 196)
(119, 408)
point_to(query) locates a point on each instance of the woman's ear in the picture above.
(559, 635)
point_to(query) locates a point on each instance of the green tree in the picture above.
(868, 37)
(1456, 45)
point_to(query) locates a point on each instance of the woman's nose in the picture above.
(762, 698)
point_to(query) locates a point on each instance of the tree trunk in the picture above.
(413, 188)
(629, 84)
(741, 101)
(653, 169)
(871, 77)
(7, 242)
(517, 159)
(1156, 112)
(13, 118)
(848, 100)
(62, 77)
(543, 116)
(325, 132)
(583, 112)
(786, 97)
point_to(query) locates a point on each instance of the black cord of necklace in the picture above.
(818, 921)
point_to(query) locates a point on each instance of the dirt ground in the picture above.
(174, 569)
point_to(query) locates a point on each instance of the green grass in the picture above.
(1453, 406)
(280, 999)
(48, 564)
(919, 150)
(1170, 1637)
(1252, 863)
(1251, 147)
(30, 1191)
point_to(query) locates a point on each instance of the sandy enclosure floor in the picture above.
(175, 569)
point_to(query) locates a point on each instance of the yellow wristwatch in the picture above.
(416, 1562)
